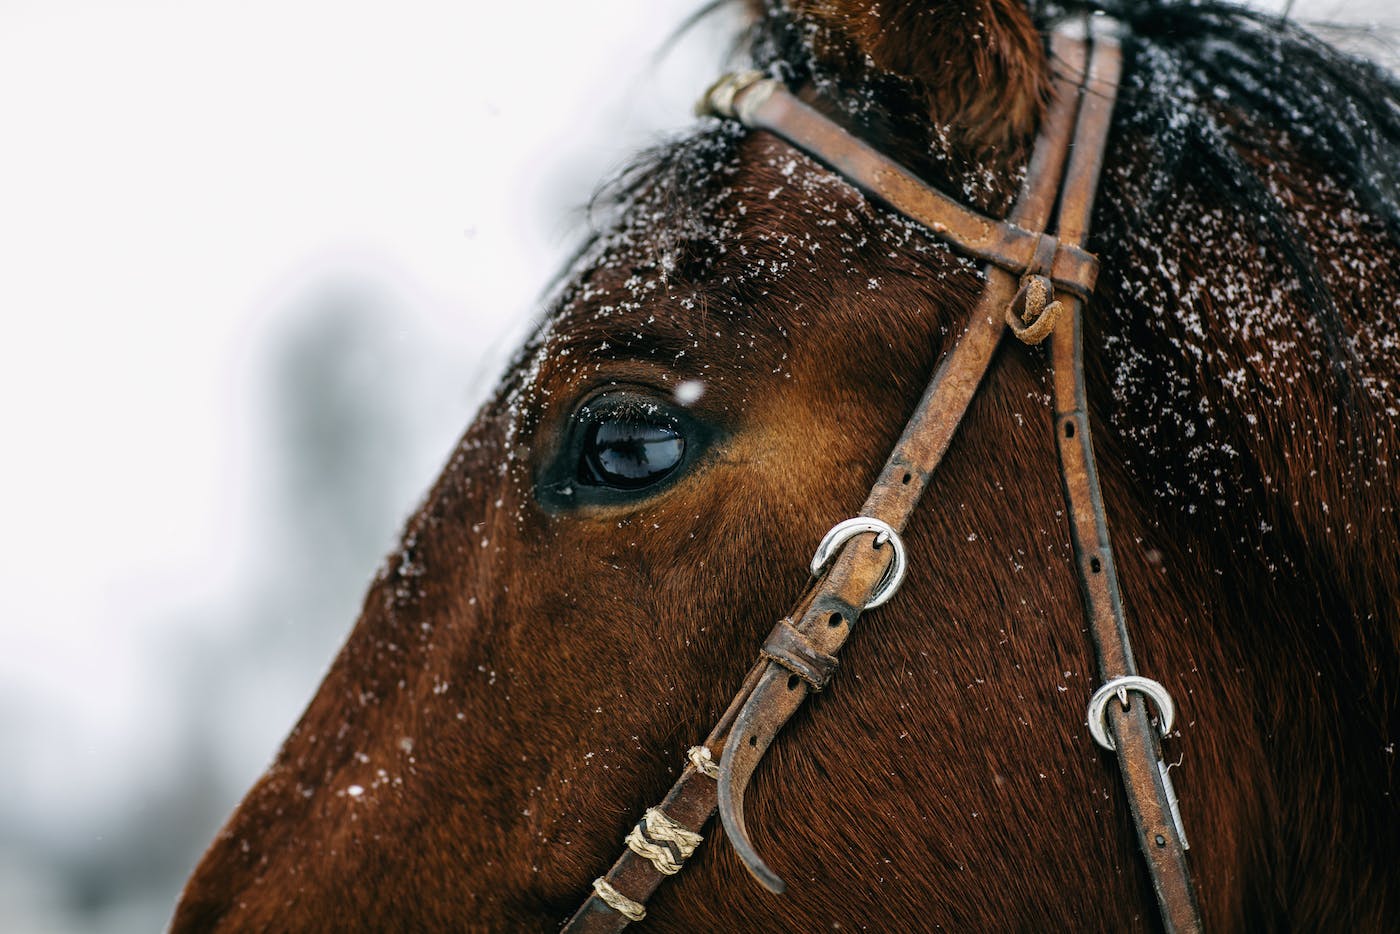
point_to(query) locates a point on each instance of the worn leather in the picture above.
(800, 654)
(1136, 741)
(787, 646)
(1010, 245)
(920, 449)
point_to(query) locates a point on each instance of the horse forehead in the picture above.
(733, 262)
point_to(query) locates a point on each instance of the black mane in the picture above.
(1197, 74)
(1267, 70)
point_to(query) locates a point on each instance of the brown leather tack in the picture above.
(691, 801)
(1058, 274)
(1009, 245)
(1075, 270)
(1033, 314)
(1136, 743)
(791, 649)
(1044, 259)
(921, 447)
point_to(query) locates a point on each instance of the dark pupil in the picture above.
(629, 454)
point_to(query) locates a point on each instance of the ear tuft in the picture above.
(979, 65)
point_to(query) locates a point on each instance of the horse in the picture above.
(719, 379)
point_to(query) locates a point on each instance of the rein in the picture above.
(1037, 285)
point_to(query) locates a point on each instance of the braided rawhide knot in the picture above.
(663, 841)
(1033, 312)
(632, 911)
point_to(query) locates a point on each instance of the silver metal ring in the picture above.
(1119, 687)
(843, 532)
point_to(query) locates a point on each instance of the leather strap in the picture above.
(765, 104)
(894, 498)
(800, 654)
(1150, 798)
(787, 646)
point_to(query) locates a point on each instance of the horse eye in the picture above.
(629, 452)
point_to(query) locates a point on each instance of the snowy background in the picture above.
(259, 263)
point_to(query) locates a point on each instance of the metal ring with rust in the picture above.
(1119, 687)
(843, 532)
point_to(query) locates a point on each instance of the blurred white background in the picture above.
(259, 263)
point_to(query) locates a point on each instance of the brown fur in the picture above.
(978, 66)
(524, 681)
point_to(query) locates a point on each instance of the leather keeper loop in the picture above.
(788, 647)
(1072, 268)
(1075, 270)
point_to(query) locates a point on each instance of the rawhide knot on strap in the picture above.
(787, 646)
(718, 99)
(632, 911)
(1033, 312)
(703, 760)
(662, 841)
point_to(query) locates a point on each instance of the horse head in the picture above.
(719, 380)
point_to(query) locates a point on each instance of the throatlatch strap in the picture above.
(1150, 798)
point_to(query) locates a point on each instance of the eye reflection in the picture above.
(629, 452)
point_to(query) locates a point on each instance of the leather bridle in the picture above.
(1037, 283)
